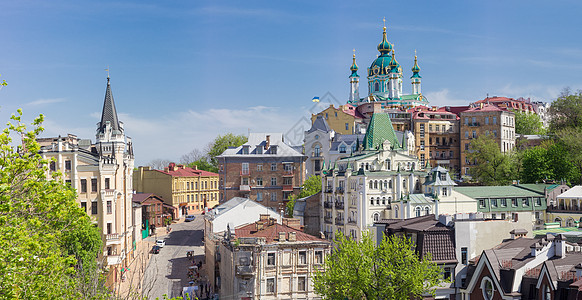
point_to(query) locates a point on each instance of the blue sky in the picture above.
(183, 72)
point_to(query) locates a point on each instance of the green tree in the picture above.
(491, 166)
(221, 143)
(49, 244)
(311, 186)
(362, 270)
(528, 123)
(566, 111)
(203, 164)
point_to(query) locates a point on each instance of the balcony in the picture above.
(245, 173)
(327, 220)
(328, 204)
(564, 208)
(113, 239)
(287, 188)
(329, 189)
(245, 188)
(244, 270)
(339, 204)
(339, 221)
(287, 173)
(114, 260)
(339, 189)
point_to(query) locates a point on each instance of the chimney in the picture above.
(292, 222)
(180, 166)
(264, 217)
(267, 142)
(172, 167)
(195, 167)
(560, 244)
(281, 236)
(293, 236)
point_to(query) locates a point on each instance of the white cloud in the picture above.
(546, 93)
(40, 102)
(444, 98)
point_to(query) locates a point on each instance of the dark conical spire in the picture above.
(109, 113)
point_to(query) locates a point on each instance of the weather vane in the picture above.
(107, 71)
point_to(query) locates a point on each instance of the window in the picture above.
(514, 202)
(274, 196)
(447, 273)
(316, 151)
(301, 283)
(422, 145)
(525, 202)
(481, 203)
(259, 181)
(467, 146)
(188, 185)
(487, 288)
(68, 182)
(474, 134)
(287, 181)
(94, 208)
(486, 120)
(259, 196)
(109, 208)
(245, 181)
(270, 285)
(259, 167)
(539, 201)
(107, 183)
(494, 120)
(270, 259)
(466, 121)
(444, 191)
(376, 217)
(273, 167)
(317, 165)
(464, 255)
(473, 120)
(503, 202)
(245, 149)
(244, 169)
(417, 211)
(273, 181)
(376, 86)
(318, 257)
(493, 202)
(302, 258)
(347, 126)
(84, 206)
(502, 216)
(67, 165)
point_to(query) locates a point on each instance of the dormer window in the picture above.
(274, 149)
(245, 149)
(342, 149)
(443, 176)
(259, 149)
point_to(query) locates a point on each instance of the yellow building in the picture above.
(343, 120)
(189, 189)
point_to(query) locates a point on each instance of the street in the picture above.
(166, 272)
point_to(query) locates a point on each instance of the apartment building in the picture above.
(189, 190)
(268, 260)
(485, 119)
(101, 172)
(264, 169)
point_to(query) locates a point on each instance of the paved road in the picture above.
(166, 272)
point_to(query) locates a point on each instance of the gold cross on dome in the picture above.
(107, 71)
(384, 20)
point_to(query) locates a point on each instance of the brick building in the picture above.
(264, 169)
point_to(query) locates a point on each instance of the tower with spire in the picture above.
(354, 81)
(415, 78)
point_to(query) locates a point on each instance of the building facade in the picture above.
(101, 172)
(189, 190)
(268, 260)
(567, 210)
(485, 119)
(264, 169)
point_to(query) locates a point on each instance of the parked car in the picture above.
(160, 243)
(189, 218)
(155, 249)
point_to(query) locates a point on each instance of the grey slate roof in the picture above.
(258, 140)
(109, 113)
(319, 124)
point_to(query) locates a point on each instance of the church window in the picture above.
(376, 184)
(426, 210)
(376, 87)
(376, 217)
(371, 184)
(417, 211)
(316, 151)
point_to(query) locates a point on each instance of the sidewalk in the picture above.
(130, 285)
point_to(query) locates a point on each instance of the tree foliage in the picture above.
(362, 270)
(49, 246)
(548, 161)
(310, 186)
(528, 123)
(490, 166)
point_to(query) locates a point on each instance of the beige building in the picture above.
(567, 210)
(102, 175)
(485, 119)
(343, 120)
(189, 189)
(267, 260)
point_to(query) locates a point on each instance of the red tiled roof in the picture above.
(352, 111)
(187, 172)
(140, 197)
(271, 233)
(486, 107)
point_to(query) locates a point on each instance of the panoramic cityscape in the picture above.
(290, 150)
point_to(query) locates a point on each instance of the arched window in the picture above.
(417, 211)
(558, 220)
(385, 184)
(376, 87)
(316, 151)
(371, 183)
(427, 211)
(396, 212)
(378, 201)
(376, 217)
(376, 184)
(371, 201)
(383, 200)
(390, 183)
(367, 166)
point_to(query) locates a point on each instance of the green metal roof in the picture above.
(495, 191)
(538, 187)
(379, 130)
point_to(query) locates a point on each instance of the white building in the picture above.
(102, 175)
